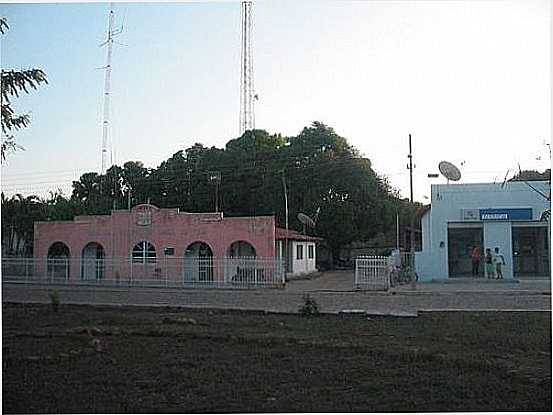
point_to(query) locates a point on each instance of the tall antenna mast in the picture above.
(247, 94)
(107, 89)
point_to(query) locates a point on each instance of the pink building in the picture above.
(149, 243)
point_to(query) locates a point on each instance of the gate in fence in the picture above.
(371, 273)
(166, 272)
(379, 273)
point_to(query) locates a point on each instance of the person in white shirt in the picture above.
(499, 261)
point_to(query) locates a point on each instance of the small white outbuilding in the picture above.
(298, 250)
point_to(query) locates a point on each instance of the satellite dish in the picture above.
(306, 220)
(449, 170)
(316, 217)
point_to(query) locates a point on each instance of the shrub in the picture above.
(309, 307)
(55, 300)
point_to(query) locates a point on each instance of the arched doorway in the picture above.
(241, 249)
(92, 262)
(198, 263)
(58, 261)
(241, 263)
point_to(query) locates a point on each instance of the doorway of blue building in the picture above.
(460, 243)
(530, 251)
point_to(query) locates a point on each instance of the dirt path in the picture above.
(326, 281)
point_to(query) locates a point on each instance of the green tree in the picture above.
(59, 207)
(13, 83)
(251, 176)
(532, 175)
(87, 192)
(18, 216)
(320, 168)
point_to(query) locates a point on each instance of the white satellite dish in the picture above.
(449, 171)
(306, 220)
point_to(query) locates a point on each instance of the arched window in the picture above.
(144, 253)
(241, 249)
(58, 250)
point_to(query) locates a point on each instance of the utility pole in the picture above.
(286, 212)
(411, 233)
(247, 94)
(397, 231)
(215, 177)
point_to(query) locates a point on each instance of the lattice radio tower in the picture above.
(247, 94)
(112, 32)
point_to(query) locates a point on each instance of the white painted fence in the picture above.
(163, 272)
(371, 273)
(379, 273)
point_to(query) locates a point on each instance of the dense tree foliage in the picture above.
(18, 216)
(532, 175)
(320, 169)
(14, 82)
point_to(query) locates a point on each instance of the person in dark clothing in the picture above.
(490, 267)
(475, 256)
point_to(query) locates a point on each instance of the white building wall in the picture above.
(298, 266)
(426, 236)
(424, 260)
(305, 265)
(447, 203)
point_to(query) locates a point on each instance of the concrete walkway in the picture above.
(400, 301)
(344, 281)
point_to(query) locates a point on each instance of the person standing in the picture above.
(475, 256)
(499, 262)
(489, 265)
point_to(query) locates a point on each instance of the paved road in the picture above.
(332, 292)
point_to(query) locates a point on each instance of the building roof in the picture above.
(281, 233)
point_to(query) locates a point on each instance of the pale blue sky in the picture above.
(470, 80)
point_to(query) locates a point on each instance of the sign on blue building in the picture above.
(506, 214)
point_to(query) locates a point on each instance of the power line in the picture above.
(46, 177)
(271, 163)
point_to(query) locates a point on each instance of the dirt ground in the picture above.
(86, 359)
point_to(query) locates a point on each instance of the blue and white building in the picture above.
(509, 216)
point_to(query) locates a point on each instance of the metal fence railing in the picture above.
(371, 273)
(379, 273)
(164, 272)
